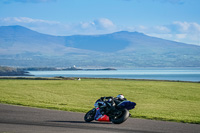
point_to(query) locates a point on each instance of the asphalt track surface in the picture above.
(18, 119)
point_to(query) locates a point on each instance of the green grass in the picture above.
(160, 100)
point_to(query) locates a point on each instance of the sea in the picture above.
(174, 74)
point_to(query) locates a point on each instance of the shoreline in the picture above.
(76, 78)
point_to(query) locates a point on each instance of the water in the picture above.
(180, 74)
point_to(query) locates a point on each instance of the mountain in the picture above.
(20, 46)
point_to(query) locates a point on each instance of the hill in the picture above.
(9, 71)
(20, 46)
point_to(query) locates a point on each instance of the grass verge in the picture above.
(159, 100)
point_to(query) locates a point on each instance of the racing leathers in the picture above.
(113, 103)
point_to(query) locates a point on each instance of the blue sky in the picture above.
(177, 20)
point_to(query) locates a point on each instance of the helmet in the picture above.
(120, 96)
(110, 100)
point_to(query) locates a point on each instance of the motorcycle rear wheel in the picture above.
(89, 116)
(121, 118)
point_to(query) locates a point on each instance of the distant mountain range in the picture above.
(20, 46)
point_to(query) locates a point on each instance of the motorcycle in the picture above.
(110, 113)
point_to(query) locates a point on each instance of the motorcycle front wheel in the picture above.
(89, 116)
(121, 118)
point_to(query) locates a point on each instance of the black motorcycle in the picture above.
(110, 112)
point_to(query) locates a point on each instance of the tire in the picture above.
(123, 117)
(89, 116)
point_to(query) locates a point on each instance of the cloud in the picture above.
(188, 32)
(186, 27)
(25, 21)
(104, 23)
(26, 1)
(98, 26)
(181, 36)
(10, 20)
(43, 26)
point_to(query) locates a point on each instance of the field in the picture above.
(160, 100)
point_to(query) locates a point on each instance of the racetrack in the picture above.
(18, 119)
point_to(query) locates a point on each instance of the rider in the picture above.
(118, 102)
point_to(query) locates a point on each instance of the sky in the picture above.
(176, 20)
